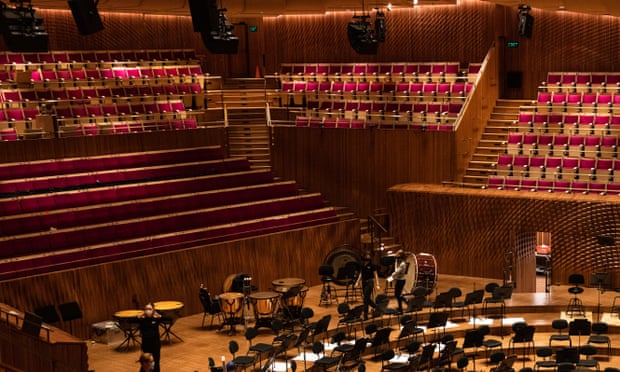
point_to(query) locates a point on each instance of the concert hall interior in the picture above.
(262, 171)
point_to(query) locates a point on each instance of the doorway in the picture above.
(544, 267)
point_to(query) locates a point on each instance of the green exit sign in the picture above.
(253, 28)
(512, 44)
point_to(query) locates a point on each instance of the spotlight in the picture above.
(214, 27)
(361, 36)
(526, 21)
(22, 27)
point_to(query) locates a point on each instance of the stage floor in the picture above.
(537, 309)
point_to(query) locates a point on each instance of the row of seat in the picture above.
(556, 167)
(191, 94)
(121, 127)
(115, 75)
(583, 81)
(158, 243)
(562, 145)
(578, 102)
(293, 91)
(63, 199)
(567, 123)
(362, 71)
(79, 110)
(117, 212)
(98, 56)
(559, 186)
(55, 167)
(343, 123)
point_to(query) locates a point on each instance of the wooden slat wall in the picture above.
(104, 289)
(26, 353)
(469, 231)
(14, 151)
(354, 168)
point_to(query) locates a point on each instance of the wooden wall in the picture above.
(14, 151)
(470, 231)
(104, 289)
(354, 168)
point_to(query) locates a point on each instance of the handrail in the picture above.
(372, 222)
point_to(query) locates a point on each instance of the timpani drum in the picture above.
(421, 271)
(297, 300)
(231, 302)
(265, 305)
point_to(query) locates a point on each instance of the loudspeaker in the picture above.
(606, 240)
(205, 15)
(526, 23)
(86, 16)
(361, 38)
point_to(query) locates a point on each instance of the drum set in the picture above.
(239, 303)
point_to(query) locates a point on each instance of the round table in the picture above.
(128, 323)
(170, 311)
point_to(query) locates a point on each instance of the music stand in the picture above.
(473, 338)
(436, 320)
(473, 298)
(502, 293)
(32, 324)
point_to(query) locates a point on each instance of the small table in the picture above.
(128, 323)
(170, 312)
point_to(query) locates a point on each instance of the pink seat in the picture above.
(8, 134)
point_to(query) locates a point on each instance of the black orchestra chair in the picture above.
(386, 365)
(382, 308)
(579, 327)
(560, 325)
(523, 334)
(328, 292)
(69, 312)
(575, 305)
(213, 367)
(241, 361)
(588, 362)
(48, 314)
(489, 343)
(210, 307)
(543, 358)
(381, 337)
(323, 362)
(600, 335)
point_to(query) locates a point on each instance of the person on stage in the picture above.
(370, 280)
(399, 276)
(149, 330)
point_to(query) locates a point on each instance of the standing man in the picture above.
(149, 330)
(399, 276)
(370, 280)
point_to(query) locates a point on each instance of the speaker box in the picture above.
(220, 45)
(32, 324)
(86, 16)
(20, 42)
(205, 15)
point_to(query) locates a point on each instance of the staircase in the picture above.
(245, 107)
(374, 233)
(493, 141)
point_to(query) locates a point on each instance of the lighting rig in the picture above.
(363, 37)
(22, 27)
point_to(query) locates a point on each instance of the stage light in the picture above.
(526, 21)
(214, 27)
(365, 36)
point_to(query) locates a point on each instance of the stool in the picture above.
(328, 292)
(575, 305)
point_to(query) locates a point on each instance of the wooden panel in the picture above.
(14, 151)
(469, 231)
(354, 168)
(104, 289)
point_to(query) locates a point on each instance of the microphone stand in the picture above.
(247, 288)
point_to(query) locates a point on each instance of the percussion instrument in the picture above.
(128, 323)
(170, 311)
(265, 305)
(287, 283)
(231, 302)
(298, 300)
(421, 271)
(346, 264)
(234, 282)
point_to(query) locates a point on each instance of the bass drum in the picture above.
(421, 271)
(346, 263)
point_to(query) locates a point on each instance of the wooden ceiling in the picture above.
(277, 7)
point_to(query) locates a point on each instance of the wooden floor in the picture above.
(538, 309)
